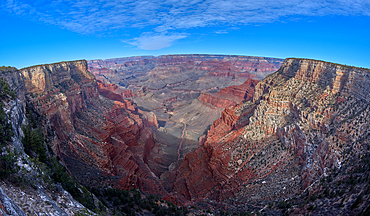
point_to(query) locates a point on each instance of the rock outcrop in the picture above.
(231, 95)
(113, 92)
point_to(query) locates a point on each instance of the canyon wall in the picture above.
(27, 186)
(101, 140)
(300, 125)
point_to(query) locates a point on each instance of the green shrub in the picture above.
(283, 205)
(5, 89)
(33, 143)
(357, 202)
(7, 164)
(6, 132)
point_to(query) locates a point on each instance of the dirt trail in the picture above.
(182, 140)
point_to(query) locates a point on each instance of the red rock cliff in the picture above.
(93, 134)
(231, 95)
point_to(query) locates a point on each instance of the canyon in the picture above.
(219, 132)
(186, 93)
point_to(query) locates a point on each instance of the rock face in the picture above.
(113, 92)
(231, 95)
(97, 137)
(299, 126)
(205, 172)
(31, 195)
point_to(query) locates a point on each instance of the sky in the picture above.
(47, 31)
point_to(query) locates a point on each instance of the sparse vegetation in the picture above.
(6, 90)
(5, 127)
(7, 164)
(128, 202)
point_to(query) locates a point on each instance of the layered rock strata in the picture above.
(169, 87)
(102, 140)
(25, 187)
(301, 124)
(231, 95)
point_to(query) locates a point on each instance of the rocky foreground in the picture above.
(295, 142)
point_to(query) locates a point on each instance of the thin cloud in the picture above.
(161, 16)
(150, 41)
(222, 31)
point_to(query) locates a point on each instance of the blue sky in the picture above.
(44, 31)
